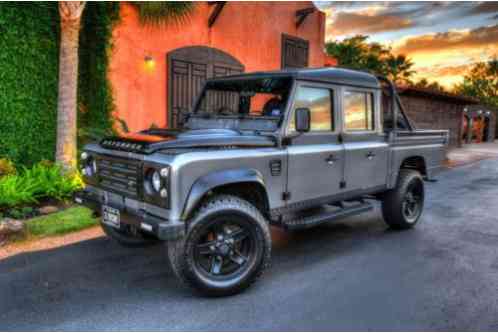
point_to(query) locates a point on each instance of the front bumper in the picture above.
(148, 218)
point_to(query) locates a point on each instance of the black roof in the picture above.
(326, 75)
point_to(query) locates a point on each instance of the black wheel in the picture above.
(227, 247)
(129, 236)
(403, 205)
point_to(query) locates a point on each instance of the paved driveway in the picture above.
(354, 274)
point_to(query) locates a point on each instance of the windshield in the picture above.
(245, 98)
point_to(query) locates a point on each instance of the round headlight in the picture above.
(156, 181)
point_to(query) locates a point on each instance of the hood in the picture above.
(150, 141)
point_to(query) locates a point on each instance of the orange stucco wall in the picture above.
(251, 32)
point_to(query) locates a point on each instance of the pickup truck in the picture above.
(290, 149)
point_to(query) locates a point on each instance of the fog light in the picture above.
(164, 193)
(164, 172)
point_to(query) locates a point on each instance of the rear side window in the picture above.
(319, 102)
(358, 111)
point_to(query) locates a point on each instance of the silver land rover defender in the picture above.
(291, 149)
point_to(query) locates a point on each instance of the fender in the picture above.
(208, 182)
(416, 162)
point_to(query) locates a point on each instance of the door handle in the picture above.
(370, 155)
(331, 159)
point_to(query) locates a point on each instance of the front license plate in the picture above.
(110, 216)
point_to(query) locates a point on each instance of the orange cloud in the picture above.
(444, 75)
(454, 40)
(346, 23)
(445, 57)
(485, 7)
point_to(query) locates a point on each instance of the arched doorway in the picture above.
(485, 131)
(466, 128)
(477, 127)
(188, 68)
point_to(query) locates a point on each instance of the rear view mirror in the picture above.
(302, 119)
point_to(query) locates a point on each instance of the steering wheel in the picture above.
(224, 111)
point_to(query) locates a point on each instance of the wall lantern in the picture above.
(465, 110)
(479, 112)
(149, 63)
(488, 113)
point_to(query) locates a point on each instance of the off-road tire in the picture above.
(180, 252)
(127, 240)
(392, 203)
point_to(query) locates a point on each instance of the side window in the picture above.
(358, 111)
(319, 102)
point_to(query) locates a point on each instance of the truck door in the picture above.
(365, 144)
(316, 158)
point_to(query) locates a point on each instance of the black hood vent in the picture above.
(124, 145)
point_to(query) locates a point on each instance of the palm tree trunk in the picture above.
(70, 13)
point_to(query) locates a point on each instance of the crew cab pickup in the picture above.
(291, 149)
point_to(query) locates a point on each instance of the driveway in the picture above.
(472, 152)
(354, 274)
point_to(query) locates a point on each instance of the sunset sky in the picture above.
(442, 38)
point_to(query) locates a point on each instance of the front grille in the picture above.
(119, 175)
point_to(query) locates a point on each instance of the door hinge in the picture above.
(342, 184)
(286, 196)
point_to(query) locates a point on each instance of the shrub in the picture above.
(6, 167)
(16, 190)
(43, 180)
(21, 213)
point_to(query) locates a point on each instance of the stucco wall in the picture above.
(251, 32)
(429, 113)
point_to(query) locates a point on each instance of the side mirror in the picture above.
(302, 120)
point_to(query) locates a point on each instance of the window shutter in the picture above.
(295, 52)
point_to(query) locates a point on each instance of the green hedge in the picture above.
(29, 38)
(29, 44)
(94, 89)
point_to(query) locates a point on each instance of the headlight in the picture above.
(89, 166)
(156, 184)
(156, 181)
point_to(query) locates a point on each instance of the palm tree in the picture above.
(70, 18)
(160, 13)
(398, 68)
(156, 13)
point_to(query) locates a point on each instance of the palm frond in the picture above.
(161, 13)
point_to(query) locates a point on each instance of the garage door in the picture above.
(188, 68)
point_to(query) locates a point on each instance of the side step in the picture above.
(325, 215)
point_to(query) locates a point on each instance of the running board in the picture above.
(304, 222)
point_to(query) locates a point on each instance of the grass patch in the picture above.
(68, 220)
